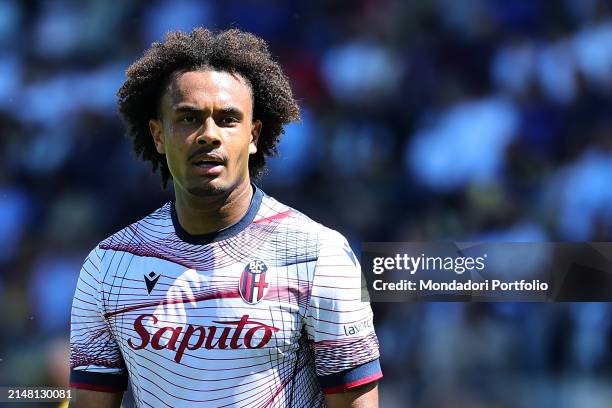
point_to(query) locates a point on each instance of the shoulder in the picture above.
(291, 221)
(149, 228)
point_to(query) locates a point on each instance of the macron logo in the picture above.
(151, 280)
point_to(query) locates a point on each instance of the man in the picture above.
(223, 297)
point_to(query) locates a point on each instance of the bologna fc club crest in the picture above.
(253, 284)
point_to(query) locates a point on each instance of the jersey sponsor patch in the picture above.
(363, 325)
(236, 334)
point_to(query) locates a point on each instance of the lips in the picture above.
(207, 159)
(208, 162)
(208, 165)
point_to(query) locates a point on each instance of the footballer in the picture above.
(223, 296)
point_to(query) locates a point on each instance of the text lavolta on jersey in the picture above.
(253, 286)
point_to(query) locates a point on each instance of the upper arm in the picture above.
(95, 399)
(365, 396)
(96, 362)
(339, 321)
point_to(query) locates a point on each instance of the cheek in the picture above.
(240, 146)
(175, 150)
(245, 152)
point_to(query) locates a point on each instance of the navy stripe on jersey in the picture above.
(98, 381)
(351, 378)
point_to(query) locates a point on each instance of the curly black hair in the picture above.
(231, 51)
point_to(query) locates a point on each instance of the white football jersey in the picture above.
(266, 313)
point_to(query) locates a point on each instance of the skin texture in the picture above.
(210, 112)
(365, 396)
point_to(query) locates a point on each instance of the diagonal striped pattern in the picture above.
(339, 355)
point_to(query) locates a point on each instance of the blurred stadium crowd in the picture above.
(421, 120)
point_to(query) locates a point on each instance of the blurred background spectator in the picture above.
(422, 120)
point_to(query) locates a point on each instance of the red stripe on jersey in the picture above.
(216, 295)
(275, 217)
(357, 383)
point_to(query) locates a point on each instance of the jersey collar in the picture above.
(225, 233)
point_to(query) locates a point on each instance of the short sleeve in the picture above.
(96, 362)
(339, 323)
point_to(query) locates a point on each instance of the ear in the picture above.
(155, 127)
(255, 131)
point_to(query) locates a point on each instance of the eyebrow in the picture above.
(186, 109)
(229, 110)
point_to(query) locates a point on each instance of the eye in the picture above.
(228, 120)
(189, 119)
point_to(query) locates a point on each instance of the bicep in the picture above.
(96, 361)
(365, 396)
(95, 399)
(340, 325)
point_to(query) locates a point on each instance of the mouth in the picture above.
(208, 166)
(208, 162)
(207, 159)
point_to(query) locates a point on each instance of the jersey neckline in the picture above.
(226, 233)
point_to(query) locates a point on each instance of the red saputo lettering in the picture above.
(204, 336)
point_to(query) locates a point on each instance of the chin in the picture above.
(207, 190)
(212, 187)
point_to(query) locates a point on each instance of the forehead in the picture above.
(201, 88)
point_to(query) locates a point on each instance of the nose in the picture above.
(210, 134)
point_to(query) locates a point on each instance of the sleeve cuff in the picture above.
(351, 378)
(103, 382)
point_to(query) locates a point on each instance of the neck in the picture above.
(204, 215)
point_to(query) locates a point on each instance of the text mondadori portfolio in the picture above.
(461, 286)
